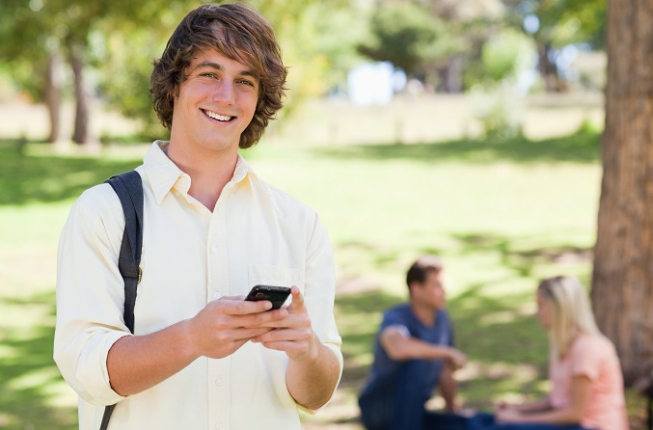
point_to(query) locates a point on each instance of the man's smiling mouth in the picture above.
(218, 117)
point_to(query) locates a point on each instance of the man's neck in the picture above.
(424, 314)
(209, 173)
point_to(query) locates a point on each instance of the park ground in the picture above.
(390, 183)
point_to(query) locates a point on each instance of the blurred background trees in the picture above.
(59, 49)
(110, 45)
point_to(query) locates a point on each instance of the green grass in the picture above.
(501, 215)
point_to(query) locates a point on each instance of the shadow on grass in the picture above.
(50, 178)
(521, 261)
(494, 329)
(29, 375)
(577, 148)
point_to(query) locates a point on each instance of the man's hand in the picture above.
(293, 333)
(226, 324)
(136, 363)
(503, 406)
(456, 358)
(508, 415)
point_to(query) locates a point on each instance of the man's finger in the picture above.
(297, 298)
(242, 307)
(267, 320)
(232, 298)
(286, 346)
(245, 334)
(283, 335)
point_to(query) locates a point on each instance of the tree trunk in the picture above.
(82, 134)
(53, 84)
(451, 75)
(548, 69)
(622, 281)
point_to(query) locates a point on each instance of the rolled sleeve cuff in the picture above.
(93, 374)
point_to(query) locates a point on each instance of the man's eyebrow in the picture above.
(217, 66)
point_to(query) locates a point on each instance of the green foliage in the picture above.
(592, 15)
(36, 29)
(498, 107)
(565, 21)
(24, 46)
(408, 36)
(125, 80)
(506, 55)
(317, 51)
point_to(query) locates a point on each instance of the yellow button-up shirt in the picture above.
(256, 234)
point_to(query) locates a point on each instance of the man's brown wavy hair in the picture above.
(237, 32)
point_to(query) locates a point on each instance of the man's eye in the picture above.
(246, 82)
(208, 75)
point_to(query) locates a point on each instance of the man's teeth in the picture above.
(217, 116)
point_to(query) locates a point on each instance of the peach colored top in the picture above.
(594, 357)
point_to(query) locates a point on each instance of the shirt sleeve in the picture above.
(319, 289)
(400, 328)
(90, 294)
(586, 358)
(393, 318)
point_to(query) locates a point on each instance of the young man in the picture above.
(202, 357)
(414, 353)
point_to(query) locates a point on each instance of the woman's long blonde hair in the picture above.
(570, 310)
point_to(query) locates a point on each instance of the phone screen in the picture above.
(271, 293)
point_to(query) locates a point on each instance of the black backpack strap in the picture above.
(129, 187)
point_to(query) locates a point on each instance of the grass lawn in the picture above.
(501, 215)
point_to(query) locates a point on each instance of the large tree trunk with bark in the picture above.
(52, 96)
(622, 282)
(82, 134)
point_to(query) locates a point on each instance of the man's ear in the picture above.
(412, 286)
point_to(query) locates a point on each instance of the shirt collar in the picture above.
(164, 175)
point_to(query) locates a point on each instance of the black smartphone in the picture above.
(276, 295)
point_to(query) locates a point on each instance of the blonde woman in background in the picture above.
(586, 380)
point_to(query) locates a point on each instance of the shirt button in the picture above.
(214, 249)
(218, 382)
(218, 425)
(216, 295)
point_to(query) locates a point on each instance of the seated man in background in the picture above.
(413, 355)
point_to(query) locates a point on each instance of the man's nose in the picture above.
(224, 92)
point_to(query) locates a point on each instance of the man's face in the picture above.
(431, 293)
(215, 103)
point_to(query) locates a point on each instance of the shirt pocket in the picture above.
(280, 276)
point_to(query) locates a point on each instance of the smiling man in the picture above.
(201, 357)
(413, 354)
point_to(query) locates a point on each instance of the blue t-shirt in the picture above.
(441, 333)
